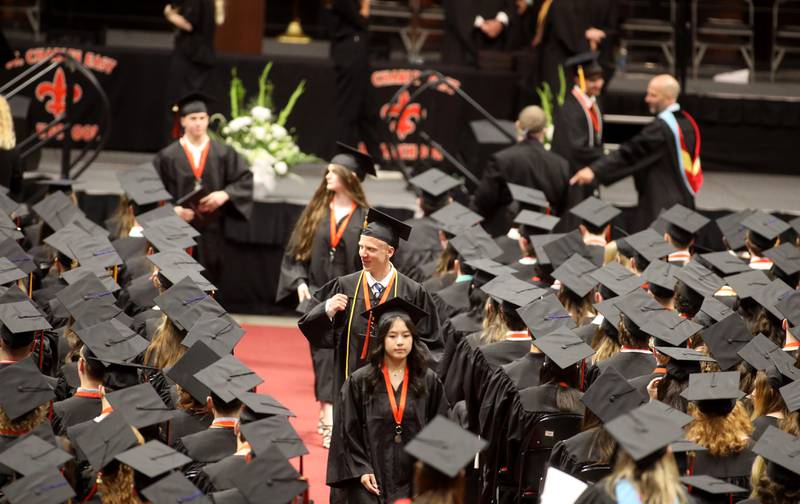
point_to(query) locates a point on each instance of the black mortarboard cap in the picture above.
(610, 396)
(770, 295)
(724, 263)
(96, 251)
(396, 306)
(661, 274)
(617, 278)
(684, 354)
(539, 242)
(669, 327)
(230, 496)
(587, 60)
(762, 353)
(644, 431)
(780, 449)
(11, 250)
(786, 257)
(608, 309)
(102, 313)
(683, 222)
(765, 225)
(56, 210)
(140, 405)
(490, 267)
(700, 279)
(198, 357)
(789, 306)
(713, 386)
(64, 239)
(22, 316)
(143, 185)
(732, 229)
(725, 338)
(434, 184)
(175, 275)
(46, 486)
(166, 212)
(102, 441)
(168, 233)
(748, 283)
(513, 290)
(791, 395)
(269, 479)
(527, 197)
(85, 295)
(354, 160)
(175, 488)
(105, 276)
(475, 243)
(228, 377)
(650, 245)
(8, 229)
(715, 309)
(560, 250)
(274, 431)
(595, 211)
(683, 446)
(455, 218)
(221, 333)
(175, 258)
(564, 347)
(129, 247)
(711, 485)
(153, 458)
(112, 340)
(638, 307)
(535, 220)
(575, 275)
(192, 103)
(31, 454)
(262, 404)
(445, 446)
(545, 315)
(386, 228)
(185, 303)
(677, 416)
(24, 389)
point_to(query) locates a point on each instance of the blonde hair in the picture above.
(166, 348)
(766, 399)
(7, 138)
(26, 422)
(124, 217)
(605, 349)
(657, 484)
(722, 435)
(117, 487)
(767, 491)
(494, 329)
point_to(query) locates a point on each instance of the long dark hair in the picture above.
(417, 360)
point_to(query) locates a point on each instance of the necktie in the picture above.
(377, 290)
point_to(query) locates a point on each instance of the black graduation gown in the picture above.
(225, 170)
(207, 446)
(596, 494)
(640, 383)
(761, 424)
(185, 423)
(422, 247)
(323, 332)
(628, 364)
(363, 437)
(73, 411)
(220, 475)
(452, 300)
(651, 158)
(570, 455)
(316, 272)
(525, 163)
(604, 15)
(524, 372)
(463, 40)
(734, 468)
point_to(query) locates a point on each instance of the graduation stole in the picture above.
(540, 19)
(397, 410)
(197, 168)
(688, 163)
(362, 281)
(336, 234)
(592, 115)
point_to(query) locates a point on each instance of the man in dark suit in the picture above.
(664, 158)
(526, 163)
(474, 25)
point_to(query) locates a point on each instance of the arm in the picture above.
(173, 16)
(239, 183)
(637, 154)
(293, 274)
(572, 126)
(347, 10)
(315, 325)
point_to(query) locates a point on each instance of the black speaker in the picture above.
(481, 140)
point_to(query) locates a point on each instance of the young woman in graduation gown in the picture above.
(381, 407)
(322, 247)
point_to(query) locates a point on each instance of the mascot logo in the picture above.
(403, 115)
(56, 91)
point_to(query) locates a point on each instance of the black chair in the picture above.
(785, 32)
(723, 25)
(650, 25)
(549, 430)
(592, 473)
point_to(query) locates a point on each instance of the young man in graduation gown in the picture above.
(526, 163)
(664, 158)
(215, 174)
(335, 321)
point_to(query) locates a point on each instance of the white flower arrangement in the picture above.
(254, 131)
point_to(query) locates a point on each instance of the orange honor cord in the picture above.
(397, 412)
(198, 168)
(368, 305)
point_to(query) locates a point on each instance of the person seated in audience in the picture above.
(776, 474)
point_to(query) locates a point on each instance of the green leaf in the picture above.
(264, 86)
(287, 110)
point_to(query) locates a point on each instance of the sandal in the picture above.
(326, 436)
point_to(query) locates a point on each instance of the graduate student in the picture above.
(381, 407)
(323, 247)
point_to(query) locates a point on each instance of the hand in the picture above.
(169, 10)
(595, 35)
(302, 292)
(364, 10)
(370, 483)
(522, 6)
(652, 388)
(213, 201)
(186, 214)
(584, 176)
(492, 28)
(336, 304)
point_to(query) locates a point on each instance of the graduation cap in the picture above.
(538, 242)
(140, 405)
(644, 431)
(610, 396)
(228, 377)
(455, 218)
(791, 395)
(153, 458)
(46, 486)
(185, 303)
(564, 347)
(166, 211)
(608, 309)
(575, 275)
(780, 450)
(445, 446)
(230, 496)
(105, 276)
(770, 295)
(713, 387)
(761, 353)
(789, 307)
(111, 340)
(661, 274)
(683, 446)
(129, 247)
(545, 315)
(475, 243)
(723, 263)
(175, 275)
(31, 454)
(682, 354)
(513, 290)
(560, 250)
(530, 221)
(715, 310)
(396, 306)
(617, 278)
(585, 63)
(732, 229)
(65, 238)
(102, 441)
(650, 245)
(56, 210)
(262, 404)
(748, 283)
(269, 479)
(84, 295)
(725, 338)
(354, 160)
(175, 259)
(710, 485)
(489, 268)
(192, 103)
(22, 317)
(168, 233)
(9, 229)
(24, 389)
(595, 211)
(198, 357)
(386, 228)
(766, 226)
(638, 307)
(274, 431)
(11, 250)
(96, 314)
(96, 251)
(435, 185)
(528, 197)
(683, 223)
(221, 333)
(786, 257)
(143, 185)
(699, 278)
(175, 488)
(669, 327)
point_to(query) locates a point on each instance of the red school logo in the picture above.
(55, 93)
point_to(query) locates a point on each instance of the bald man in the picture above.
(526, 163)
(664, 158)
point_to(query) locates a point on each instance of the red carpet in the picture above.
(280, 355)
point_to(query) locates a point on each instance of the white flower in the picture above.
(226, 130)
(259, 132)
(239, 123)
(278, 131)
(262, 114)
(281, 168)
